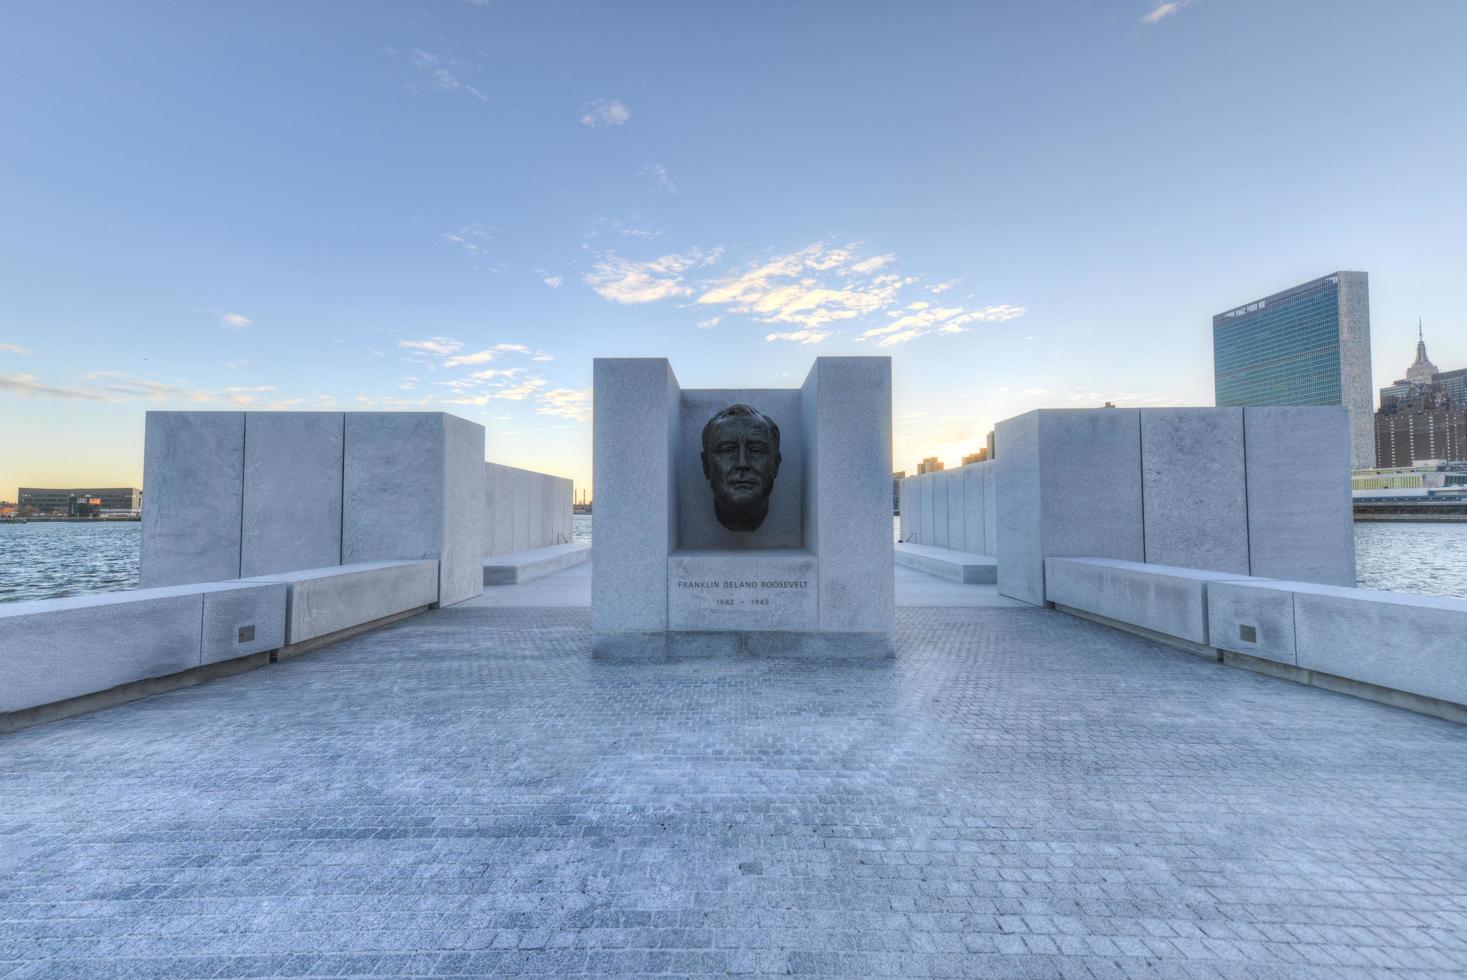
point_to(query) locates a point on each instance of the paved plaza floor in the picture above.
(1018, 793)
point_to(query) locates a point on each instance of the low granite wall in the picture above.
(1411, 643)
(55, 649)
(953, 509)
(525, 510)
(59, 657)
(1405, 650)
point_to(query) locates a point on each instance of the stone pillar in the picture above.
(845, 407)
(635, 424)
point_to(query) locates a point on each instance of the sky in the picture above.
(454, 206)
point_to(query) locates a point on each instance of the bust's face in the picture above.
(741, 463)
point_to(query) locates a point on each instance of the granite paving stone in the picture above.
(468, 793)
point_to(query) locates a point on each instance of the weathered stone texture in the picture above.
(1301, 521)
(1195, 496)
(193, 477)
(292, 491)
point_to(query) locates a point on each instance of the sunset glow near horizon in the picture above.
(454, 206)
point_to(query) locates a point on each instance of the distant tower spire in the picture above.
(1422, 372)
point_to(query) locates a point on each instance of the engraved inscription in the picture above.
(740, 593)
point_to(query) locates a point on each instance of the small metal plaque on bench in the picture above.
(246, 633)
(1248, 634)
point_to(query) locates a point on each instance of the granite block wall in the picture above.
(231, 494)
(292, 491)
(1255, 491)
(193, 480)
(1082, 469)
(1193, 488)
(524, 510)
(1301, 522)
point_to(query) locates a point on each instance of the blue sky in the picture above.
(456, 205)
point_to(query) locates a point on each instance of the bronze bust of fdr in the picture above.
(741, 459)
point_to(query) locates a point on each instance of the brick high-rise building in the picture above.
(1421, 417)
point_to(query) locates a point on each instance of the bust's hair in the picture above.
(747, 411)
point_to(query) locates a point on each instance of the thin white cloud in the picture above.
(605, 113)
(554, 282)
(1162, 9)
(942, 287)
(118, 386)
(658, 175)
(813, 288)
(799, 336)
(634, 227)
(710, 323)
(245, 394)
(14, 349)
(235, 321)
(871, 264)
(486, 355)
(442, 346)
(26, 384)
(439, 72)
(625, 282)
(566, 403)
(473, 239)
(943, 320)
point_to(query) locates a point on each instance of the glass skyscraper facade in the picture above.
(1309, 345)
(1284, 350)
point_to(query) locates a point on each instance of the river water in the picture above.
(41, 561)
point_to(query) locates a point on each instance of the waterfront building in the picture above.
(1420, 416)
(896, 490)
(929, 465)
(1306, 345)
(43, 501)
(977, 457)
(990, 444)
(1429, 474)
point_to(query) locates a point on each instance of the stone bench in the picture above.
(523, 566)
(54, 650)
(956, 566)
(1394, 641)
(328, 604)
(1162, 599)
